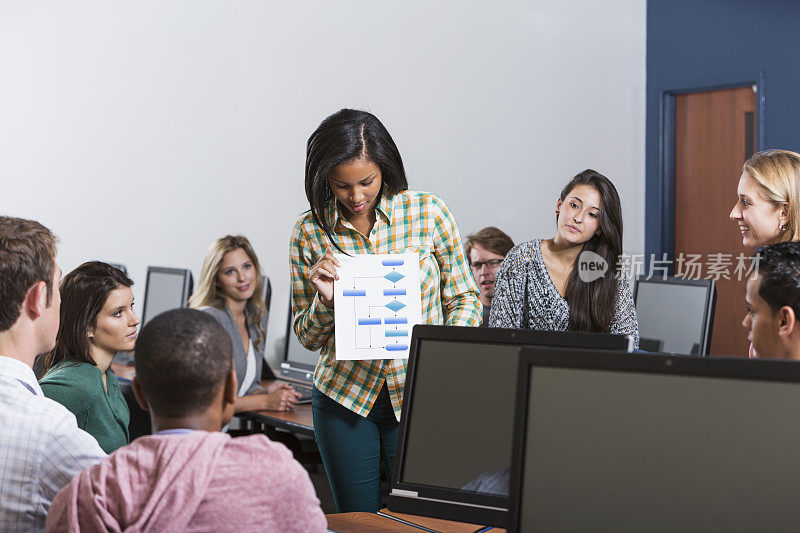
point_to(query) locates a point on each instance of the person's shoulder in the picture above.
(40, 417)
(528, 246)
(44, 412)
(420, 197)
(74, 374)
(305, 231)
(258, 443)
(523, 252)
(59, 419)
(624, 279)
(410, 194)
(73, 384)
(304, 223)
(214, 311)
(421, 205)
(260, 450)
(267, 459)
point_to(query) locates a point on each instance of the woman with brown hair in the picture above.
(97, 322)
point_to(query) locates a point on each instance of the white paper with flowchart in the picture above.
(376, 301)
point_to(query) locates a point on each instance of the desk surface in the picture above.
(373, 523)
(299, 420)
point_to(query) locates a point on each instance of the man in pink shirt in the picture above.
(188, 476)
(773, 303)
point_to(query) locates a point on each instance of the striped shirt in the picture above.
(41, 448)
(410, 221)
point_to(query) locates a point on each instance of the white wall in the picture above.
(141, 131)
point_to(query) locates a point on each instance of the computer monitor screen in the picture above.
(658, 449)
(675, 313)
(454, 443)
(464, 393)
(166, 289)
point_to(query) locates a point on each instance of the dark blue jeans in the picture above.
(352, 449)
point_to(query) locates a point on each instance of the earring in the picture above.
(781, 228)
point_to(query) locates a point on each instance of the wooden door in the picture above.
(714, 135)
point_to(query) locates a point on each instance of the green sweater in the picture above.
(79, 388)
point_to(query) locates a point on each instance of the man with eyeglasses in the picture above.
(485, 251)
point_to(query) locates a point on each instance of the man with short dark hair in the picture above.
(485, 251)
(773, 302)
(188, 475)
(41, 447)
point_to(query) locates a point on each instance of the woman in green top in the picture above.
(97, 321)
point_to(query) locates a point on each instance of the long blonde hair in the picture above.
(777, 173)
(207, 293)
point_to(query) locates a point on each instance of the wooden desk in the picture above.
(300, 420)
(373, 523)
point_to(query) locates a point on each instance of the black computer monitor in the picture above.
(677, 312)
(609, 442)
(298, 361)
(165, 289)
(454, 440)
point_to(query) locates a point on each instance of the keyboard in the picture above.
(305, 393)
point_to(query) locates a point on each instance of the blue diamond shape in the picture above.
(395, 305)
(394, 276)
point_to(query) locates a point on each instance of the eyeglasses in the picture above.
(491, 263)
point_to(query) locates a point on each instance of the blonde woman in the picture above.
(767, 208)
(230, 289)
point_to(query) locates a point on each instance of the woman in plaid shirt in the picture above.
(360, 204)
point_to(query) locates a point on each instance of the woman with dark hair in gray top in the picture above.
(539, 285)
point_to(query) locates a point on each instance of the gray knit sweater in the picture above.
(526, 298)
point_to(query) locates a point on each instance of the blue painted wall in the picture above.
(704, 43)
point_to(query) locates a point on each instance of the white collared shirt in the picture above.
(41, 448)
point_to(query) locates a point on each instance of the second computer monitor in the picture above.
(165, 289)
(677, 312)
(611, 442)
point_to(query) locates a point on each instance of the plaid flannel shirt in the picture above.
(410, 221)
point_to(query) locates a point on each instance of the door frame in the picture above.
(664, 181)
